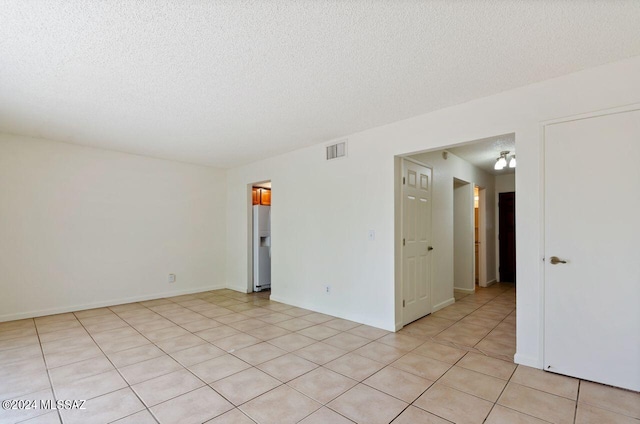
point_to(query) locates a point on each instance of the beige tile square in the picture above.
(424, 367)
(22, 342)
(413, 415)
(318, 332)
(217, 368)
(11, 356)
(268, 332)
(135, 355)
(296, 312)
(179, 343)
(245, 385)
(197, 354)
(473, 383)
(371, 333)
(274, 317)
(501, 415)
(123, 343)
(14, 384)
(294, 324)
(292, 406)
(90, 387)
(487, 365)
(421, 331)
(165, 387)
(11, 416)
(355, 366)
(399, 384)
(231, 318)
(105, 408)
(291, 342)
(194, 407)
(287, 367)
(610, 398)
(363, 404)
(589, 414)
(401, 341)
(440, 352)
(142, 417)
(217, 333)
(48, 418)
(247, 324)
(347, 341)
(256, 312)
(151, 368)
(114, 334)
(325, 415)
(318, 318)
(165, 333)
(539, 404)
(454, 405)
(56, 326)
(56, 335)
(380, 352)
(235, 416)
(147, 325)
(547, 382)
(463, 334)
(72, 356)
(320, 353)
(79, 370)
(200, 324)
(237, 342)
(322, 385)
(259, 353)
(341, 324)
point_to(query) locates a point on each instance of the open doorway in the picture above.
(464, 231)
(259, 230)
(463, 237)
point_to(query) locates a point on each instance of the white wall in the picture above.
(83, 227)
(322, 210)
(505, 183)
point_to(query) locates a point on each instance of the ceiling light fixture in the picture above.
(501, 162)
(512, 162)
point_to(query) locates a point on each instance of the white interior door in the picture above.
(416, 233)
(592, 222)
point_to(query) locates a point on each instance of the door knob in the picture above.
(556, 260)
(430, 248)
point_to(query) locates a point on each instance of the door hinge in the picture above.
(404, 180)
(403, 242)
(403, 303)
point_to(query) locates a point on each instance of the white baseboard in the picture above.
(470, 291)
(529, 361)
(490, 283)
(241, 289)
(444, 304)
(102, 304)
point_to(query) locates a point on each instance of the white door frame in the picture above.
(543, 221)
(400, 232)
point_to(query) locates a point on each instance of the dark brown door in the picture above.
(507, 231)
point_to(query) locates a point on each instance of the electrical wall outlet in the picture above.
(172, 278)
(327, 289)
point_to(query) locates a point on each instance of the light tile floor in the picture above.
(229, 357)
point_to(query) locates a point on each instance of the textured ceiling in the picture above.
(483, 153)
(224, 83)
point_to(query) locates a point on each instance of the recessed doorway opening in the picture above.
(259, 238)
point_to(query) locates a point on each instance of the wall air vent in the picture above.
(337, 150)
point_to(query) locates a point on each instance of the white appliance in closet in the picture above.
(261, 247)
